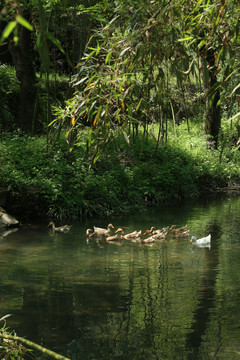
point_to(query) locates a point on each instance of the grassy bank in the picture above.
(125, 178)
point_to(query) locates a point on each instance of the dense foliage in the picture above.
(151, 112)
(128, 176)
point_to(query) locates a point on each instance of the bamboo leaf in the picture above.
(186, 38)
(81, 81)
(108, 57)
(43, 51)
(55, 41)
(125, 50)
(97, 115)
(126, 137)
(20, 20)
(5, 317)
(90, 55)
(7, 31)
(236, 87)
(234, 116)
(138, 105)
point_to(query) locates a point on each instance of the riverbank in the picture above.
(125, 178)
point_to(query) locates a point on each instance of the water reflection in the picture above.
(170, 301)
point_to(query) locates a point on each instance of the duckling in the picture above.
(64, 228)
(102, 231)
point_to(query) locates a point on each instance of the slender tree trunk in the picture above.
(22, 55)
(213, 110)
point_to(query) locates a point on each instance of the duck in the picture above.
(158, 233)
(202, 241)
(153, 230)
(64, 228)
(133, 235)
(113, 238)
(149, 240)
(183, 234)
(90, 233)
(102, 231)
(175, 231)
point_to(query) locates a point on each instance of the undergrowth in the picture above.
(125, 178)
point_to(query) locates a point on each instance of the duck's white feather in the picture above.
(202, 241)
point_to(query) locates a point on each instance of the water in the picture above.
(167, 301)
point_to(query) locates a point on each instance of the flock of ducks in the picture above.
(150, 236)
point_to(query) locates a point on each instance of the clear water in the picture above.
(167, 301)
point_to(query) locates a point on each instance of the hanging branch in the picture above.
(34, 346)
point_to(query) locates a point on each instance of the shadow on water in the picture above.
(207, 294)
(165, 301)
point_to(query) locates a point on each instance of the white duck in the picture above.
(202, 242)
(133, 235)
(102, 231)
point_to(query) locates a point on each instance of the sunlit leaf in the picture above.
(81, 81)
(73, 120)
(186, 38)
(236, 87)
(90, 85)
(126, 137)
(138, 105)
(97, 115)
(234, 116)
(55, 41)
(20, 20)
(5, 317)
(7, 31)
(124, 51)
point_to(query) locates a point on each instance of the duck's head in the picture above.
(193, 238)
(150, 231)
(110, 226)
(119, 231)
(89, 232)
(173, 227)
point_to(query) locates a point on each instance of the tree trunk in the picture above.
(213, 110)
(22, 55)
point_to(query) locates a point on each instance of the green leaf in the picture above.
(236, 87)
(42, 17)
(5, 317)
(55, 41)
(125, 50)
(43, 51)
(186, 38)
(108, 57)
(234, 116)
(90, 55)
(138, 105)
(20, 20)
(7, 31)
